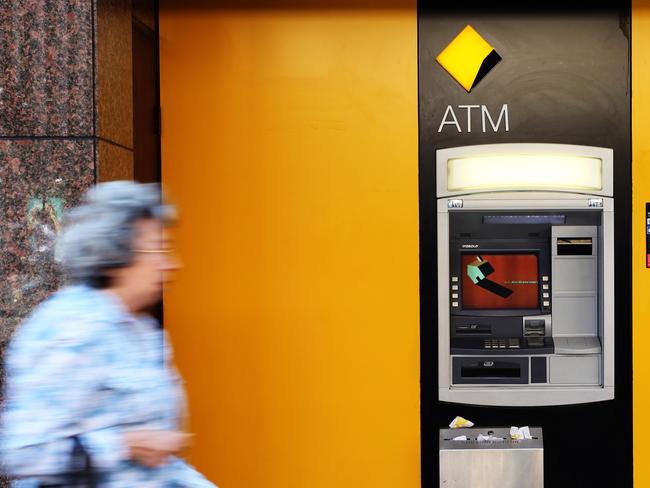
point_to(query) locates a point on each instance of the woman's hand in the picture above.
(152, 448)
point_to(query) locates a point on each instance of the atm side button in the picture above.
(454, 279)
(454, 304)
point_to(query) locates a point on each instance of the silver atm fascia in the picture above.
(564, 391)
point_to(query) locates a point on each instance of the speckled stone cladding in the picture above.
(46, 68)
(65, 112)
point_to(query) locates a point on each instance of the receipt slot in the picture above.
(525, 274)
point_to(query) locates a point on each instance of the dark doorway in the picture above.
(146, 97)
(146, 101)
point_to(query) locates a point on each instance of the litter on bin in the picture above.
(489, 437)
(519, 433)
(460, 422)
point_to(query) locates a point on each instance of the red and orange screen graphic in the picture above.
(516, 272)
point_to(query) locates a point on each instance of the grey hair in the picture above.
(98, 234)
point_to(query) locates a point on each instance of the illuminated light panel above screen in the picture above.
(525, 172)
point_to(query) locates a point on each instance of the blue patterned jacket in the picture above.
(81, 365)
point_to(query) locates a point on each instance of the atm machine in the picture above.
(525, 245)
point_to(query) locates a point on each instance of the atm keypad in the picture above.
(501, 343)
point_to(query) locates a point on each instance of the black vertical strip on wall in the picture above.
(565, 76)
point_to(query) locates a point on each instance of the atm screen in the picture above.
(500, 281)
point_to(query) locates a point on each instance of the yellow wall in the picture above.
(290, 144)
(640, 275)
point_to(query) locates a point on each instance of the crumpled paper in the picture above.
(460, 422)
(483, 438)
(520, 433)
(460, 438)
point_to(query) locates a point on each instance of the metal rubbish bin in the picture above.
(502, 463)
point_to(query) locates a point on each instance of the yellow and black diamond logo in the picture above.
(468, 58)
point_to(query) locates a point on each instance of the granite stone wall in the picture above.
(65, 122)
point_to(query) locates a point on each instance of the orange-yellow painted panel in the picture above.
(640, 275)
(290, 144)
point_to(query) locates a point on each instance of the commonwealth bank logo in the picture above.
(468, 58)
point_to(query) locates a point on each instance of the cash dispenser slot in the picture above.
(574, 246)
(490, 370)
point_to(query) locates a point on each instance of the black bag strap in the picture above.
(80, 472)
(81, 465)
